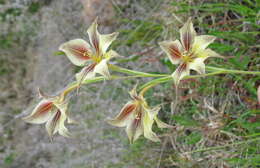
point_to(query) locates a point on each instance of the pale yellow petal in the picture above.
(62, 106)
(41, 113)
(187, 35)
(198, 65)
(52, 125)
(126, 114)
(111, 54)
(210, 53)
(106, 40)
(134, 129)
(86, 73)
(161, 124)
(102, 68)
(180, 72)
(202, 42)
(133, 93)
(147, 125)
(61, 127)
(78, 51)
(94, 37)
(173, 49)
(153, 112)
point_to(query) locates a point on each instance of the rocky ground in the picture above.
(29, 41)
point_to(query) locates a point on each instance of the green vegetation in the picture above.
(231, 99)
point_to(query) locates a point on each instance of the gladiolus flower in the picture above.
(94, 56)
(53, 112)
(190, 52)
(138, 118)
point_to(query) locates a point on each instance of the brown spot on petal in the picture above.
(187, 40)
(95, 42)
(126, 111)
(80, 52)
(180, 69)
(43, 108)
(54, 121)
(174, 51)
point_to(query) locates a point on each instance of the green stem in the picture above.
(232, 71)
(224, 146)
(169, 78)
(164, 77)
(74, 85)
(132, 72)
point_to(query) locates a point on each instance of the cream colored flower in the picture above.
(53, 112)
(138, 118)
(190, 52)
(94, 56)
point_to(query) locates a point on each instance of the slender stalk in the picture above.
(164, 77)
(74, 85)
(224, 146)
(132, 72)
(169, 78)
(233, 71)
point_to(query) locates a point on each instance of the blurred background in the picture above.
(214, 111)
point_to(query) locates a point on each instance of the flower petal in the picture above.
(106, 40)
(41, 113)
(173, 50)
(161, 124)
(78, 51)
(86, 73)
(135, 128)
(147, 124)
(111, 54)
(102, 68)
(133, 93)
(153, 112)
(122, 119)
(62, 129)
(188, 34)
(210, 53)
(94, 37)
(202, 42)
(52, 126)
(198, 65)
(63, 107)
(180, 72)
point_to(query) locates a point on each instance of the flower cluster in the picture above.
(138, 118)
(190, 52)
(136, 115)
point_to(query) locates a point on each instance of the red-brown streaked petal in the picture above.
(122, 118)
(94, 37)
(173, 49)
(198, 65)
(52, 126)
(86, 73)
(187, 34)
(180, 72)
(41, 113)
(78, 51)
(135, 128)
(147, 125)
(202, 42)
(106, 40)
